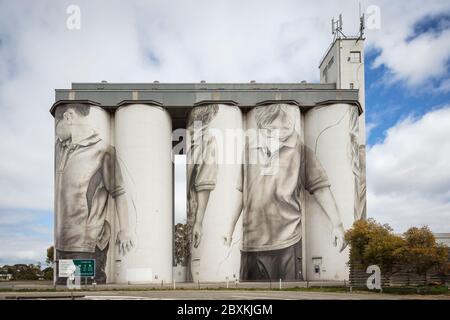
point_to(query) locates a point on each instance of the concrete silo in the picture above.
(143, 143)
(272, 207)
(215, 136)
(85, 184)
(331, 132)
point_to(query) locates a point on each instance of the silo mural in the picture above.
(214, 157)
(89, 189)
(274, 178)
(271, 215)
(278, 168)
(331, 132)
(143, 143)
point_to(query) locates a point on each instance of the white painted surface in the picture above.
(139, 275)
(179, 274)
(143, 144)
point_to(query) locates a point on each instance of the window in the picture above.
(355, 56)
(351, 86)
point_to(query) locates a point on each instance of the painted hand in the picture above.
(125, 242)
(338, 237)
(197, 232)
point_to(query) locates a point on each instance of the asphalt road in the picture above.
(45, 290)
(215, 294)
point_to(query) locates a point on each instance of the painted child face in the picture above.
(281, 126)
(63, 131)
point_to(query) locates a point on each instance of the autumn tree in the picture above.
(421, 253)
(375, 243)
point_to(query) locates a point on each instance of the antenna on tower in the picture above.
(362, 26)
(336, 28)
(362, 23)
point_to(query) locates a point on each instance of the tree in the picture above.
(50, 255)
(421, 253)
(416, 251)
(48, 273)
(374, 243)
(25, 271)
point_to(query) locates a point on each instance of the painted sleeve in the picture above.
(112, 175)
(315, 175)
(206, 176)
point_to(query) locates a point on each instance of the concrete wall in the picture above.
(349, 74)
(81, 140)
(113, 191)
(143, 143)
(139, 198)
(211, 258)
(273, 204)
(327, 133)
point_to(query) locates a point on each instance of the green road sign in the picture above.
(87, 267)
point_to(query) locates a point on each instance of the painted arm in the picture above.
(228, 238)
(112, 178)
(326, 201)
(124, 237)
(202, 199)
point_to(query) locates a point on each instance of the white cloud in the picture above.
(410, 57)
(443, 87)
(408, 174)
(25, 235)
(13, 218)
(416, 61)
(23, 249)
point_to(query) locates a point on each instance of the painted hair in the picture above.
(80, 109)
(265, 115)
(204, 114)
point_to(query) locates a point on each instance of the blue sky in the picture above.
(386, 105)
(406, 69)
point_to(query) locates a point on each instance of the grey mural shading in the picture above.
(353, 147)
(272, 208)
(362, 183)
(86, 176)
(201, 173)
